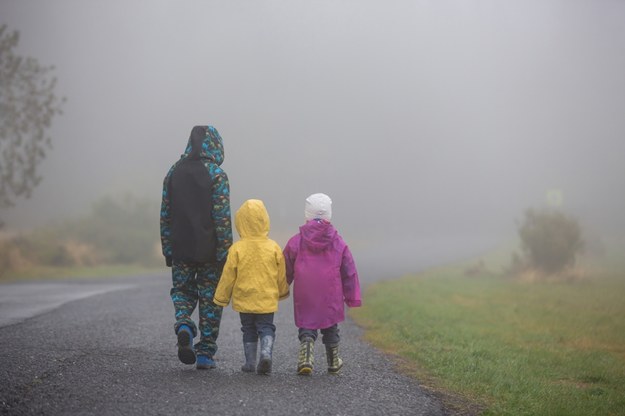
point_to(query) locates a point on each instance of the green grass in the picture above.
(514, 348)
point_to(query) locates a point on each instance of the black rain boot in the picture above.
(266, 348)
(334, 361)
(250, 349)
(306, 357)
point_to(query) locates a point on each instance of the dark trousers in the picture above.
(330, 335)
(255, 325)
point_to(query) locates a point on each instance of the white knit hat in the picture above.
(318, 206)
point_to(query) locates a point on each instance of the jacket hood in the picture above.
(205, 143)
(252, 220)
(317, 235)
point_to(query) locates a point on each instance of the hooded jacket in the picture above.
(254, 273)
(321, 268)
(195, 209)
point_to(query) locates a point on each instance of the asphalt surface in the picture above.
(108, 348)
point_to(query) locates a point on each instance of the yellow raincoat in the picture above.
(254, 275)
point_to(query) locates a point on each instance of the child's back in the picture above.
(321, 268)
(254, 279)
(253, 276)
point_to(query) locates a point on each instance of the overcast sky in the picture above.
(441, 120)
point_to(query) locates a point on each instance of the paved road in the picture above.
(19, 302)
(108, 348)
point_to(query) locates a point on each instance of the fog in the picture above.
(433, 125)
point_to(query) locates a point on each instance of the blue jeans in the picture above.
(255, 325)
(330, 335)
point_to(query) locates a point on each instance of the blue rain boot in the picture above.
(186, 354)
(250, 349)
(204, 362)
(266, 348)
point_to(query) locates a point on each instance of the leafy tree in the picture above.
(550, 240)
(27, 106)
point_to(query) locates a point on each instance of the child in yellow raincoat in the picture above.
(254, 278)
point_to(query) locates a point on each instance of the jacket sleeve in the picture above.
(221, 213)
(166, 219)
(289, 261)
(283, 286)
(223, 292)
(351, 283)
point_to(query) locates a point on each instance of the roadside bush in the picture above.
(23, 251)
(120, 230)
(5, 260)
(550, 241)
(117, 231)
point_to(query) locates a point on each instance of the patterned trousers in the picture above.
(194, 284)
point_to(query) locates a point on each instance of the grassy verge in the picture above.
(513, 348)
(39, 273)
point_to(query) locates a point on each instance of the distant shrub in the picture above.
(117, 231)
(5, 257)
(23, 251)
(476, 270)
(550, 241)
(120, 230)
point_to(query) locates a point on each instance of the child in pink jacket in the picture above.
(321, 268)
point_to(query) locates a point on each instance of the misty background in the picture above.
(433, 125)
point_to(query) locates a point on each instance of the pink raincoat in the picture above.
(324, 276)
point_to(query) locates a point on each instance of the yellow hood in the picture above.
(252, 220)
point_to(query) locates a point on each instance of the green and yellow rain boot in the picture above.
(334, 361)
(306, 358)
